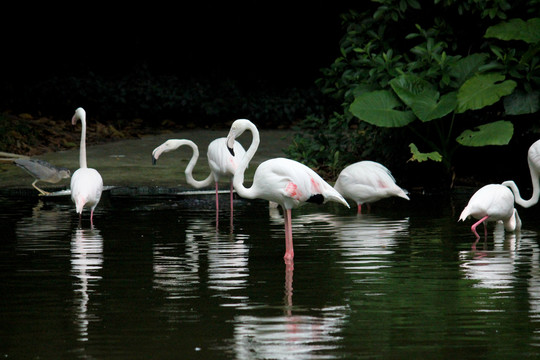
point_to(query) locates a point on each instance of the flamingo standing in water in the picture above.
(222, 163)
(492, 202)
(365, 182)
(279, 180)
(86, 183)
(533, 158)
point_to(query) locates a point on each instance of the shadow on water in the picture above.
(158, 277)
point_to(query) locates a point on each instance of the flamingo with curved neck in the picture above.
(221, 162)
(86, 183)
(533, 159)
(492, 202)
(283, 181)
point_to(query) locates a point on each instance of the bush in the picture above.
(430, 76)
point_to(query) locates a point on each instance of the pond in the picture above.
(157, 277)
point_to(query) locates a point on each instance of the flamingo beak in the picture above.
(154, 160)
(231, 150)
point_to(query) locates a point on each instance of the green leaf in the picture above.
(522, 102)
(466, 67)
(422, 97)
(420, 157)
(516, 29)
(377, 108)
(410, 87)
(428, 109)
(495, 133)
(483, 90)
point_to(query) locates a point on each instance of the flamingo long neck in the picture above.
(535, 184)
(82, 151)
(536, 189)
(189, 169)
(238, 179)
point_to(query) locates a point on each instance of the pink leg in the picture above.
(289, 249)
(473, 228)
(232, 198)
(91, 217)
(217, 197)
(217, 205)
(359, 208)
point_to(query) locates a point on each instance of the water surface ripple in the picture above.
(157, 277)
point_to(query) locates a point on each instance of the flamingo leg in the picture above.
(359, 208)
(217, 197)
(91, 217)
(217, 204)
(289, 249)
(232, 198)
(473, 227)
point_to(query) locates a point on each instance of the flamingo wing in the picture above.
(291, 184)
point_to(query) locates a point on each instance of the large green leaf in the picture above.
(410, 87)
(522, 102)
(420, 157)
(377, 108)
(516, 29)
(428, 109)
(483, 90)
(466, 67)
(423, 98)
(495, 133)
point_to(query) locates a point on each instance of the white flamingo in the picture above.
(222, 163)
(533, 158)
(492, 202)
(365, 182)
(86, 183)
(280, 180)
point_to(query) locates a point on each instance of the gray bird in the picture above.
(43, 171)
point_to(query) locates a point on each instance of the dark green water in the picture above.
(155, 279)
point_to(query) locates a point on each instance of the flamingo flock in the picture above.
(291, 184)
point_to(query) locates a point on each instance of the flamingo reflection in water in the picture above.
(501, 266)
(289, 336)
(178, 271)
(86, 265)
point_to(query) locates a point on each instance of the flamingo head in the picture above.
(79, 114)
(165, 147)
(237, 128)
(170, 145)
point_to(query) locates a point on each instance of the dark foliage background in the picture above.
(204, 63)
